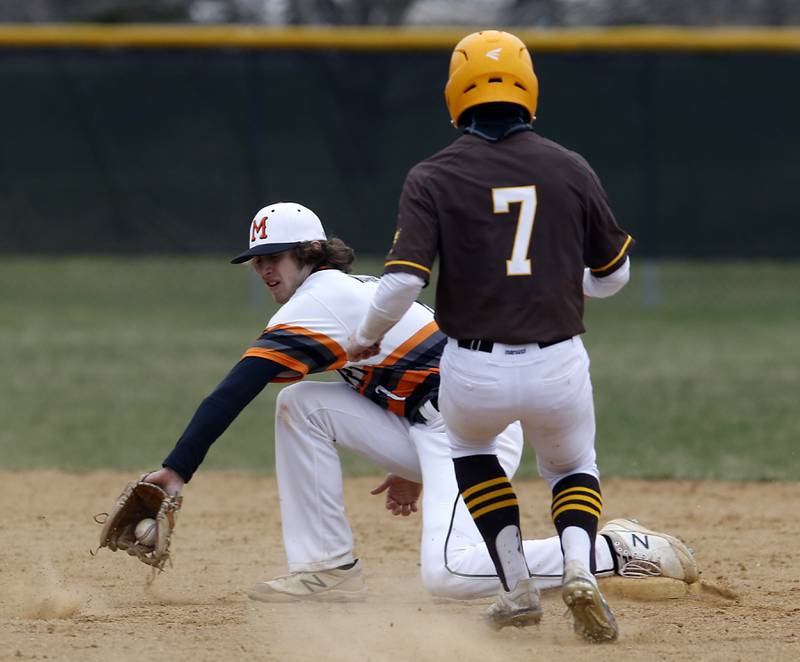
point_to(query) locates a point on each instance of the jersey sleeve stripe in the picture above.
(406, 263)
(617, 258)
(336, 350)
(278, 357)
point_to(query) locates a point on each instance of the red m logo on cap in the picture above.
(259, 226)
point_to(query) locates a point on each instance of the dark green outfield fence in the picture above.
(114, 144)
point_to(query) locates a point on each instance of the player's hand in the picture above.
(401, 494)
(358, 352)
(167, 479)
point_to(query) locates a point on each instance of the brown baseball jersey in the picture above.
(513, 223)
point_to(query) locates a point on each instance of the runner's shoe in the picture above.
(342, 584)
(593, 619)
(519, 607)
(641, 552)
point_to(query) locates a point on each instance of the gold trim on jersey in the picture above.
(406, 263)
(618, 256)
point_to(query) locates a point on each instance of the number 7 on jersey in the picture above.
(519, 264)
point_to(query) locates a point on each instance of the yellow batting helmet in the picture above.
(490, 66)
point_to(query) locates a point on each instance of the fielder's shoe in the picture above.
(518, 607)
(593, 619)
(335, 585)
(641, 552)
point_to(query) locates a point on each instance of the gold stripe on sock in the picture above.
(576, 497)
(483, 486)
(570, 490)
(490, 495)
(494, 506)
(574, 506)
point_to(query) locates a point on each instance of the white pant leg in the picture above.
(472, 402)
(312, 419)
(548, 390)
(556, 409)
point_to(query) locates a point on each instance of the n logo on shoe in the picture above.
(318, 583)
(645, 542)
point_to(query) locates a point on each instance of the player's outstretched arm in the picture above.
(243, 383)
(153, 499)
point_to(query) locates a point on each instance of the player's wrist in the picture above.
(363, 339)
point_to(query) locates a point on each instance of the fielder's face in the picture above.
(280, 274)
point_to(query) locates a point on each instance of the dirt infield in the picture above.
(57, 602)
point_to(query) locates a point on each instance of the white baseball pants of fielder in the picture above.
(548, 390)
(313, 419)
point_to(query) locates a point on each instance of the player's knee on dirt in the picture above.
(435, 580)
(442, 583)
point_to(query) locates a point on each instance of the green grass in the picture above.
(104, 360)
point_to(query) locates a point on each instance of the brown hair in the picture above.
(332, 253)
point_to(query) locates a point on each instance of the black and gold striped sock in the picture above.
(577, 501)
(491, 501)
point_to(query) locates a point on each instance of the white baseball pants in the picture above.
(548, 390)
(315, 418)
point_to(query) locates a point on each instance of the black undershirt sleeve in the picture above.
(243, 383)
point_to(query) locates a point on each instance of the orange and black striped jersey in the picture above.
(310, 332)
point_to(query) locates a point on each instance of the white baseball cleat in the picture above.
(334, 585)
(518, 607)
(642, 553)
(592, 617)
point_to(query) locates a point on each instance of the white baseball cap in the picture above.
(279, 227)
